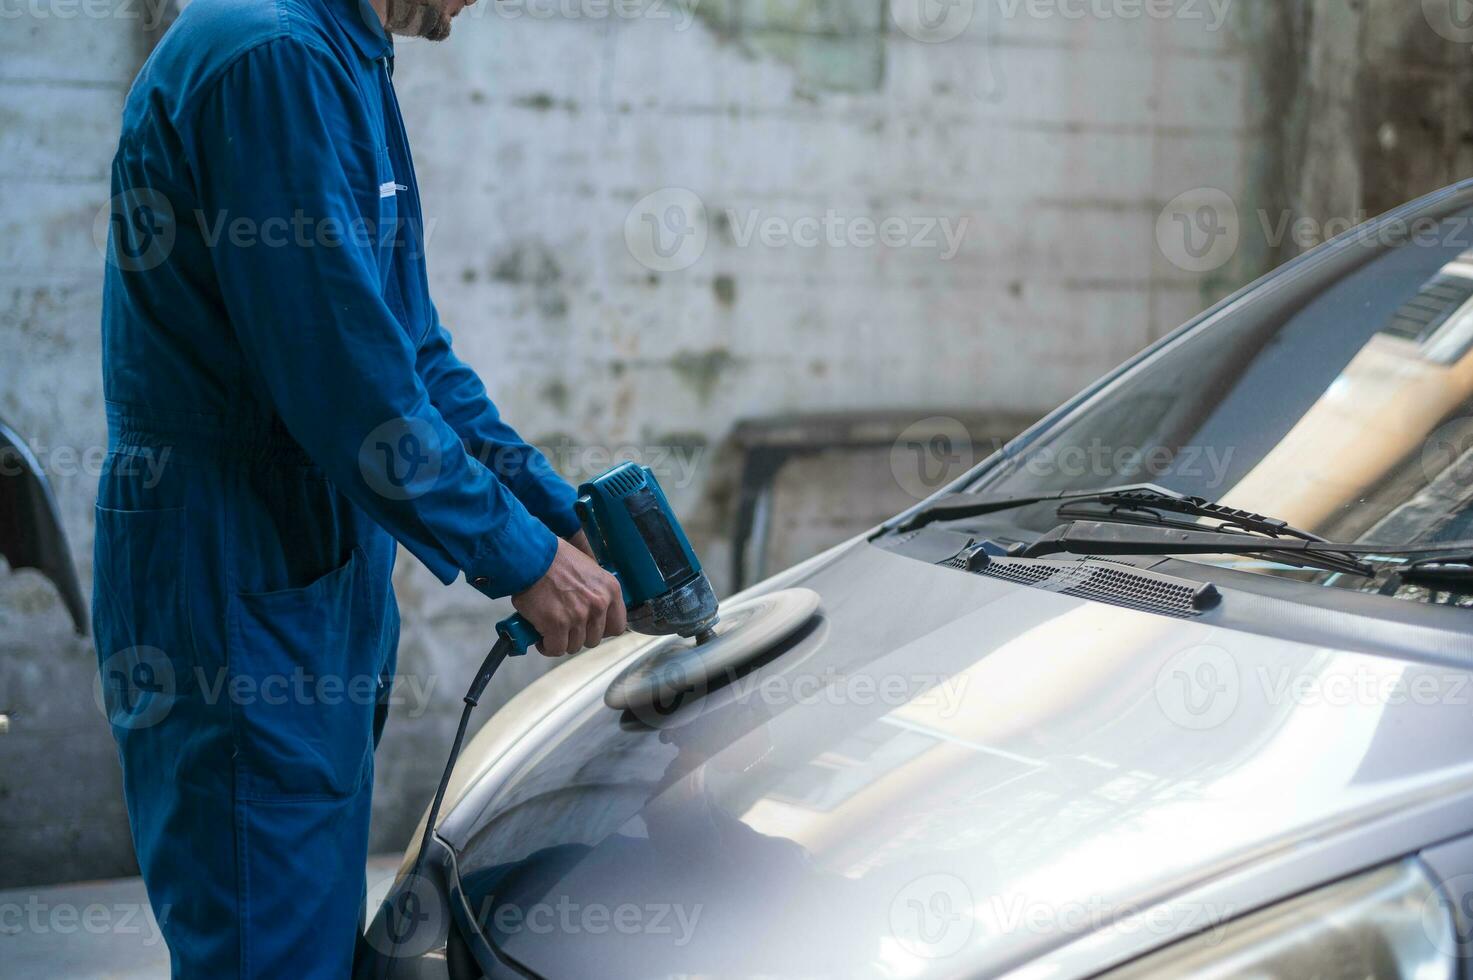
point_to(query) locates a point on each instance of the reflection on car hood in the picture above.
(951, 775)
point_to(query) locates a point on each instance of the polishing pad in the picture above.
(677, 668)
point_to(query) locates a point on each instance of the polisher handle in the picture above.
(520, 633)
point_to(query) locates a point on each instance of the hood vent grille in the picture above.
(1100, 581)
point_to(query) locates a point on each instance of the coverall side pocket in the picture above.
(303, 681)
(141, 625)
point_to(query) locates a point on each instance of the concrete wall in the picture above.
(63, 76)
(615, 190)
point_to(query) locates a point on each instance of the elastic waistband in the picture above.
(193, 435)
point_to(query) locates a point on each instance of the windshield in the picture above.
(1338, 397)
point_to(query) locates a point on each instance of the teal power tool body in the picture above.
(636, 538)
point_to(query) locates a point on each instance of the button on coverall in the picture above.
(283, 403)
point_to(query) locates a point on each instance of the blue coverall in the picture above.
(283, 403)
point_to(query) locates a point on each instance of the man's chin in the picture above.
(418, 18)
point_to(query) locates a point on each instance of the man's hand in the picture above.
(575, 605)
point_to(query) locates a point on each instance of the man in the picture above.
(283, 403)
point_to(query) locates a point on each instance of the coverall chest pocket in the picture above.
(305, 680)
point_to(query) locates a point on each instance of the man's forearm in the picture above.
(457, 392)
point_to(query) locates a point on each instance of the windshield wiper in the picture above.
(1143, 508)
(1148, 504)
(1151, 501)
(960, 506)
(1151, 507)
(1132, 499)
(1097, 538)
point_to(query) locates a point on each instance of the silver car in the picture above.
(1179, 683)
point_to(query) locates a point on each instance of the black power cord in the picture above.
(503, 649)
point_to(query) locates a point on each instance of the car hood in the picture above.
(949, 775)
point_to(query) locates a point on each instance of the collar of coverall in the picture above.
(361, 23)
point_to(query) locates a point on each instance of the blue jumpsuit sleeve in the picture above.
(283, 141)
(461, 398)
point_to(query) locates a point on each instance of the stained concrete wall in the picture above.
(615, 190)
(63, 77)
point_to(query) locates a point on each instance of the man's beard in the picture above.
(418, 18)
